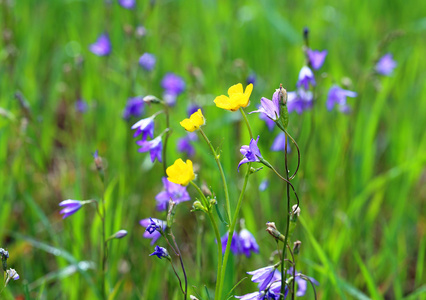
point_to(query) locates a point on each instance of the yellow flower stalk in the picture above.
(180, 172)
(237, 97)
(195, 121)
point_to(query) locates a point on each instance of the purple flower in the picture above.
(169, 98)
(337, 96)
(279, 143)
(154, 147)
(184, 145)
(299, 101)
(251, 78)
(302, 283)
(134, 107)
(247, 243)
(129, 4)
(251, 153)
(270, 108)
(120, 234)
(234, 243)
(160, 252)
(192, 108)
(102, 46)
(81, 106)
(173, 191)
(147, 61)
(70, 207)
(263, 185)
(385, 65)
(155, 235)
(306, 77)
(316, 58)
(263, 276)
(144, 127)
(173, 84)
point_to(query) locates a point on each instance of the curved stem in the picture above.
(164, 154)
(297, 147)
(247, 122)
(288, 182)
(180, 282)
(182, 266)
(222, 174)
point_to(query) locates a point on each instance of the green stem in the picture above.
(247, 122)
(222, 174)
(164, 154)
(217, 234)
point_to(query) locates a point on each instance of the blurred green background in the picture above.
(362, 179)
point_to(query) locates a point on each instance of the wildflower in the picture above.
(144, 127)
(102, 46)
(81, 106)
(263, 185)
(11, 274)
(128, 4)
(195, 121)
(306, 77)
(153, 146)
(316, 58)
(160, 252)
(235, 248)
(180, 172)
(120, 234)
(173, 84)
(251, 79)
(184, 145)
(173, 191)
(237, 98)
(385, 65)
(301, 281)
(154, 225)
(251, 153)
(134, 107)
(70, 207)
(147, 61)
(279, 143)
(263, 276)
(270, 108)
(140, 31)
(4, 254)
(247, 243)
(299, 101)
(337, 95)
(155, 235)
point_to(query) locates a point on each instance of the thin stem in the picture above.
(180, 282)
(247, 122)
(166, 138)
(222, 174)
(297, 147)
(104, 243)
(288, 182)
(182, 266)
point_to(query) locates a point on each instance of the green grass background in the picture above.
(362, 180)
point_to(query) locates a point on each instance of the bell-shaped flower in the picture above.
(102, 46)
(154, 147)
(160, 252)
(173, 191)
(270, 108)
(306, 77)
(247, 243)
(316, 58)
(155, 235)
(70, 207)
(144, 127)
(385, 65)
(251, 152)
(337, 96)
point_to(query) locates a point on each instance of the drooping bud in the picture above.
(120, 234)
(272, 230)
(283, 120)
(171, 213)
(151, 99)
(295, 213)
(296, 247)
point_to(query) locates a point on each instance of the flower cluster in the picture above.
(145, 128)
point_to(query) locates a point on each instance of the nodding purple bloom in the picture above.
(154, 225)
(173, 84)
(147, 61)
(170, 99)
(235, 248)
(247, 243)
(184, 145)
(337, 96)
(173, 191)
(302, 283)
(299, 101)
(306, 77)
(270, 108)
(102, 46)
(128, 4)
(12, 274)
(385, 65)
(155, 235)
(153, 146)
(263, 185)
(70, 206)
(264, 276)
(160, 252)
(251, 153)
(81, 106)
(134, 107)
(251, 79)
(279, 143)
(316, 58)
(144, 127)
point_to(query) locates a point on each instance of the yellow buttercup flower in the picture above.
(180, 172)
(194, 122)
(237, 97)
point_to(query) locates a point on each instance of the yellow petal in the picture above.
(235, 89)
(180, 172)
(223, 102)
(248, 91)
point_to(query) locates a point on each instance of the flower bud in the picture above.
(198, 206)
(171, 213)
(120, 234)
(151, 99)
(296, 247)
(272, 230)
(295, 213)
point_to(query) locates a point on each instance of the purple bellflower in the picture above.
(134, 107)
(147, 61)
(144, 127)
(263, 185)
(270, 108)
(306, 77)
(160, 252)
(302, 283)
(173, 191)
(251, 79)
(154, 147)
(81, 106)
(102, 46)
(128, 4)
(279, 143)
(155, 235)
(184, 145)
(234, 243)
(173, 84)
(70, 207)
(264, 276)
(337, 96)
(251, 153)
(299, 101)
(247, 243)
(385, 65)
(316, 58)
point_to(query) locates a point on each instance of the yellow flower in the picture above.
(237, 97)
(180, 172)
(194, 122)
